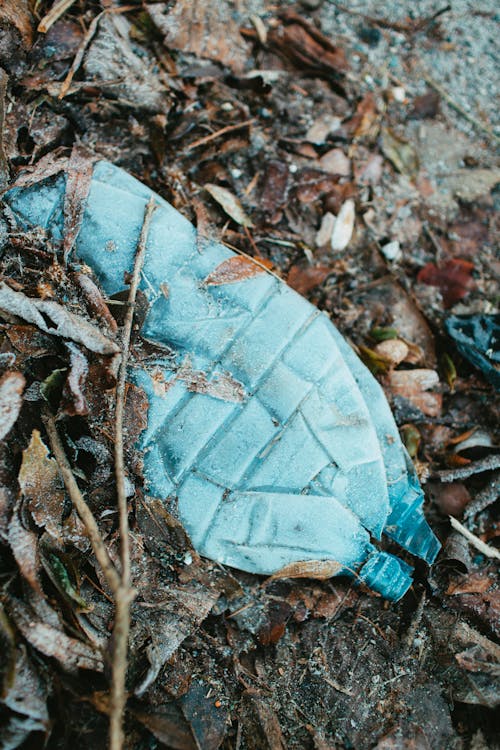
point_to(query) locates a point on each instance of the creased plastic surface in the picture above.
(478, 340)
(267, 435)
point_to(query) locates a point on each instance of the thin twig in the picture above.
(124, 595)
(4, 163)
(481, 546)
(80, 504)
(77, 60)
(57, 10)
(222, 131)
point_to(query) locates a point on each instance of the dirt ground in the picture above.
(382, 110)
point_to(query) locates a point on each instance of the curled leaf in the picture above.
(230, 204)
(320, 570)
(53, 318)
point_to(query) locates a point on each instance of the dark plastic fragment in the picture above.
(478, 339)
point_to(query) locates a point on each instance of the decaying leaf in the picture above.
(230, 203)
(453, 277)
(263, 721)
(11, 399)
(232, 270)
(95, 300)
(26, 695)
(42, 487)
(376, 363)
(320, 570)
(208, 722)
(70, 652)
(112, 60)
(24, 546)
(411, 438)
(307, 48)
(168, 622)
(18, 13)
(79, 176)
(167, 723)
(206, 29)
(58, 574)
(274, 188)
(401, 153)
(364, 122)
(49, 165)
(73, 397)
(61, 322)
(303, 279)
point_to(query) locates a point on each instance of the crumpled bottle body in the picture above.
(266, 434)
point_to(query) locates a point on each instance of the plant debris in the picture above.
(288, 116)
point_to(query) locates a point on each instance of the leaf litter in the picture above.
(275, 117)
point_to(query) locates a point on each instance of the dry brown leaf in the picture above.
(230, 204)
(453, 278)
(42, 487)
(320, 570)
(11, 399)
(304, 279)
(49, 165)
(73, 397)
(267, 732)
(18, 13)
(79, 176)
(451, 498)
(364, 122)
(206, 28)
(122, 68)
(232, 270)
(62, 323)
(70, 652)
(475, 583)
(95, 300)
(307, 48)
(400, 153)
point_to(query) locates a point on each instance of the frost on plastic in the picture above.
(266, 434)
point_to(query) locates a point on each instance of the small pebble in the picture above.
(392, 250)
(344, 225)
(394, 351)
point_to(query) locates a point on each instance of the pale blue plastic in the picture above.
(301, 458)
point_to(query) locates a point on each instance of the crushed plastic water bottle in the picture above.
(267, 436)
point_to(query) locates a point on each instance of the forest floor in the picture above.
(298, 110)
